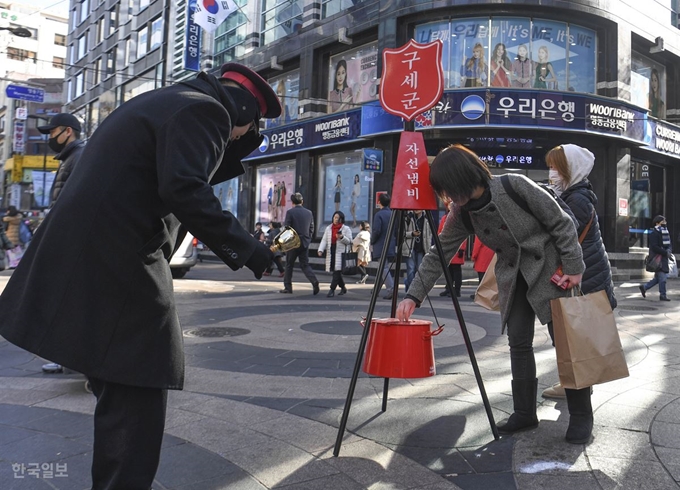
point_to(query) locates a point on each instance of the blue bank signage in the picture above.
(29, 94)
(372, 160)
(338, 128)
(490, 107)
(192, 40)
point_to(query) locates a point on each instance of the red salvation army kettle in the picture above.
(398, 349)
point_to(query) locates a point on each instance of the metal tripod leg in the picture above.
(364, 335)
(463, 328)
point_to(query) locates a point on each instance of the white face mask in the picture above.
(556, 182)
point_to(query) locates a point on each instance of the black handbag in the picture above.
(653, 263)
(350, 265)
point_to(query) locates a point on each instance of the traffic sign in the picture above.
(25, 93)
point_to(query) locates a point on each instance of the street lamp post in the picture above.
(17, 31)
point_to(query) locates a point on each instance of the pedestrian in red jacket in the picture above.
(455, 266)
(481, 256)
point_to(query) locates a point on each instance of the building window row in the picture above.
(280, 18)
(21, 54)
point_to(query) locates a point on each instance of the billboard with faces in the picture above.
(287, 88)
(518, 52)
(353, 78)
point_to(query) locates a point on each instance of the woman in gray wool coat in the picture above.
(530, 247)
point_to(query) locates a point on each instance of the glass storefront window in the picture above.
(648, 85)
(275, 184)
(353, 78)
(227, 193)
(517, 52)
(343, 186)
(646, 200)
(287, 87)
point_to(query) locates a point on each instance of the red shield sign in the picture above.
(413, 78)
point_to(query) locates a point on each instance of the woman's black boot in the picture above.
(524, 403)
(580, 416)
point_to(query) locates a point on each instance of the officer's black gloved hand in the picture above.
(260, 260)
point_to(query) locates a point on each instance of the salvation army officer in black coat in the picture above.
(94, 291)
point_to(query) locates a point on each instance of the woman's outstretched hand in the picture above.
(405, 309)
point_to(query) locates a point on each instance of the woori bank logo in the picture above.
(265, 144)
(472, 107)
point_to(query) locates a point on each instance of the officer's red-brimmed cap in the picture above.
(270, 106)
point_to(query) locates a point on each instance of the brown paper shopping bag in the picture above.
(487, 291)
(587, 341)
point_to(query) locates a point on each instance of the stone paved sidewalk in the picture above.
(267, 377)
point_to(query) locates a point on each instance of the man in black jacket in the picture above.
(107, 308)
(302, 221)
(64, 131)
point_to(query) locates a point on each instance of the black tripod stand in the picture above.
(398, 216)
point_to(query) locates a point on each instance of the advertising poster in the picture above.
(517, 52)
(287, 87)
(275, 184)
(353, 78)
(439, 31)
(470, 52)
(346, 187)
(549, 54)
(42, 184)
(227, 193)
(510, 63)
(650, 81)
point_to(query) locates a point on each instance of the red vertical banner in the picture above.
(411, 188)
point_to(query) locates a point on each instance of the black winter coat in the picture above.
(94, 290)
(598, 275)
(69, 157)
(656, 247)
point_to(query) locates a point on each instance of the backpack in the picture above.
(505, 180)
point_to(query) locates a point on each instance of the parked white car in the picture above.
(185, 257)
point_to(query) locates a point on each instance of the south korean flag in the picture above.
(209, 14)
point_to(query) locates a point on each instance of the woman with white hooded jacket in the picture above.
(569, 167)
(336, 238)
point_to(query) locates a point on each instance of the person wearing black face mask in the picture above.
(64, 130)
(99, 262)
